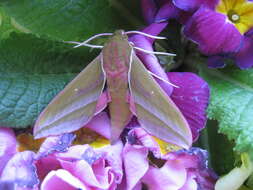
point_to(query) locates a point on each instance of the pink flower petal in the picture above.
(101, 124)
(20, 170)
(62, 180)
(135, 164)
(191, 183)
(95, 175)
(145, 139)
(8, 146)
(114, 159)
(45, 164)
(171, 176)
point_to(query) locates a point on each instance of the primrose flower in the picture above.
(220, 29)
(178, 170)
(52, 163)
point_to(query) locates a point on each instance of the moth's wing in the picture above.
(75, 105)
(155, 111)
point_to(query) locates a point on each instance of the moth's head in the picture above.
(121, 35)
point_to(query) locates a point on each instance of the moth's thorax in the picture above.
(116, 56)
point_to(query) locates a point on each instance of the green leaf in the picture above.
(8, 25)
(220, 150)
(232, 104)
(32, 72)
(68, 19)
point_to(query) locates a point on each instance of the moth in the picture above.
(118, 79)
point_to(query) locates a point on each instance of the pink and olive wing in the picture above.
(75, 105)
(155, 111)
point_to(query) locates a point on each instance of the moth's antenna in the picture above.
(86, 42)
(154, 52)
(145, 34)
(153, 74)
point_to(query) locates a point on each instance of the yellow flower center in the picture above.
(87, 136)
(238, 12)
(166, 147)
(27, 142)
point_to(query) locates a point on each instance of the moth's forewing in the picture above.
(155, 111)
(75, 105)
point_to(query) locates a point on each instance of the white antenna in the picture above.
(85, 43)
(154, 52)
(145, 34)
(160, 78)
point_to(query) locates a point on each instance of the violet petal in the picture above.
(74, 153)
(192, 98)
(212, 32)
(167, 11)
(21, 170)
(216, 61)
(244, 58)
(149, 10)
(56, 144)
(193, 5)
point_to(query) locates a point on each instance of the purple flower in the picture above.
(156, 11)
(220, 29)
(244, 57)
(192, 98)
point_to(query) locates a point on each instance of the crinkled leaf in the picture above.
(32, 72)
(232, 104)
(67, 19)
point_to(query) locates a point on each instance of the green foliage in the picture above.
(232, 104)
(32, 72)
(66, 19)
